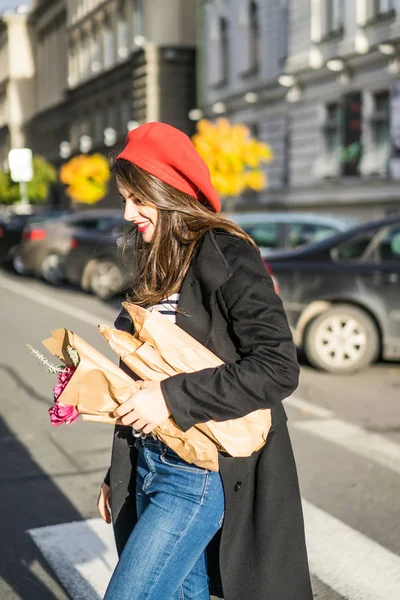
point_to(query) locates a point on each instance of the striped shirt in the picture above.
(168, 307)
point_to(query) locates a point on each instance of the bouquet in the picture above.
(161, 349)
(88, 383)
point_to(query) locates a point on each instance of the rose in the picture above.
(63, 378)
(63, 413)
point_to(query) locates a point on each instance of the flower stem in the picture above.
(50, 367)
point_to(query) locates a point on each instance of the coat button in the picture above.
(192, 283)
(238, 486)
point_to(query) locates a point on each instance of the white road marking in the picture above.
(373, 446)
(82, 555)
(307, 407)
(58, 305)
(351, 564)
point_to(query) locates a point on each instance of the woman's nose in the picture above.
(130, 211)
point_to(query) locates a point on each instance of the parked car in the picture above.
(12, 226)
(279, 231)
(95, 263)
(105, 274)
(45, 244)
(342, 296)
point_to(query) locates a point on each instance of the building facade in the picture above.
(17, 76)
(117, 63)
(319, 81)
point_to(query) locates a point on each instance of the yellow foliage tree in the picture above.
(233, 156)
(86, 177)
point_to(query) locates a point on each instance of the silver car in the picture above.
(45, 244)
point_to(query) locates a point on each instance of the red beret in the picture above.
(170, 155)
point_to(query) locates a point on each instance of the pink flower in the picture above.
(63, 413)
(63, 379)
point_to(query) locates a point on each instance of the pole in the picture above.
(24, 205)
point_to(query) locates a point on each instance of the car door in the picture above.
(387, 280)
(374, 260)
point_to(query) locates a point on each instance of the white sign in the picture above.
(21, 167)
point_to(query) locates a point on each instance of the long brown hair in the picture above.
(162, 264)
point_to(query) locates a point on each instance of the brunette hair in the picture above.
(162, 264)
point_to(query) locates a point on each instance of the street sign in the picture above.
(20, 163)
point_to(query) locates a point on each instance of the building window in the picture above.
(327, 17)
(126, 112)
(96, 51)
(369, 11)
(250, 36)
(108, 44)
(351, 134)
(112, 114)
(122, 32)
(381, 120)
(137, 19)
(283, 31)
(255, 35)
(342, 139)
(98, 124)
(376, 135)
(224, 48)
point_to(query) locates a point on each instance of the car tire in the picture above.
(343, 339)
(18, 264)
(51, 268)
(106, 279)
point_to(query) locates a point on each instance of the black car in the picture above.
(12, 226)
(95, 261)
(342, 296)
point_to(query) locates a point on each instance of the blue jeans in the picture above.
(180, 508)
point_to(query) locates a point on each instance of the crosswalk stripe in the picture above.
(51, 302)
(373, 446)
(348, 562)
(308, 408)
(82, 555)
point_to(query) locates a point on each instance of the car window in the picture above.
(107, 223)
(84, 223)
(305, 233)
(389, 246)
(355, 248)
(265, 235)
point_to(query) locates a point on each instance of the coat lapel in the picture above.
(207, 272)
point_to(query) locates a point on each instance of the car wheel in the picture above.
(342, 339)
(106, 279)
(51, 269)
(18, 264)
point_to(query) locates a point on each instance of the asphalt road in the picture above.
(345, 432)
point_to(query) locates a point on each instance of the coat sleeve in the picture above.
(267, 371)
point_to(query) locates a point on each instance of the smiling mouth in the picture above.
(143, 226)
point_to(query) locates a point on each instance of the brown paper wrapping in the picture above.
(163, 350)
(98, 386)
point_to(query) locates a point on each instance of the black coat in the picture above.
(227, 302)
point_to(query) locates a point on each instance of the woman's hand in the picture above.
(103, 503)
(145, 409)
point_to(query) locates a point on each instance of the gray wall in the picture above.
(295, 130)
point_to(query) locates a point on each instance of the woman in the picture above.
(182, 531)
